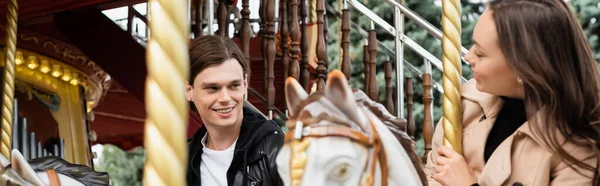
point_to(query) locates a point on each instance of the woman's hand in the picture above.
(452, 169)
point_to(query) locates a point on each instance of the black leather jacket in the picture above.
(254, 156)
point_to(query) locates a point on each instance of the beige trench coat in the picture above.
(521, 158)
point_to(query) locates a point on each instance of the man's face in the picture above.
(218, 94)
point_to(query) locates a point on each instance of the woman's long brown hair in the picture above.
(544, 44)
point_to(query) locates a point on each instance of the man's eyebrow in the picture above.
(210, 84)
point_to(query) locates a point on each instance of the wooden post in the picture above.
(263, 41)
(367, 68)
(373, 89)
(294, 70)
(223, 19)
(245, 28)
(198, 18)
(427, 117)
(409, 91)
(321, 50)
(245, 32)
(389, 92)
(304, 74)
(270, 46)
(283, 33)
(346, 64)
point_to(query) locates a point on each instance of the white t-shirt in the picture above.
(214, 164)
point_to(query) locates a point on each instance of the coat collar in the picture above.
(499, 167)
(490, 104)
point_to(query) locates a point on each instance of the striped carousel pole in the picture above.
(8, 94)
(166, 107)
(452, 120)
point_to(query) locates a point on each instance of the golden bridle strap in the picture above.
(370, 141)
(53, 177)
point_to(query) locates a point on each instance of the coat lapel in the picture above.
(498, 167)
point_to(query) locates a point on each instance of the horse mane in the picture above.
(311, 98)
(379, 110)
(81, 173)
(396, 125)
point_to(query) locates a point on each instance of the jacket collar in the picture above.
(254, 127)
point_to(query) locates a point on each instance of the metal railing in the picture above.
(263, 100)
(385, 49)
(401, 38)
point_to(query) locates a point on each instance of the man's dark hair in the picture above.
(209, 50)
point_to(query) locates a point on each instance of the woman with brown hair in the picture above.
(531, 115)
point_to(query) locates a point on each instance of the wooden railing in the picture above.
(292, 20)
(263, 100)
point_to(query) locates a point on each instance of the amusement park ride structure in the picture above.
(81, 78)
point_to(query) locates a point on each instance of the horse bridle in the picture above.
(53, 177)
(308, 129)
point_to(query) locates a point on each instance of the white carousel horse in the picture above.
(332, 140)
(46, 171)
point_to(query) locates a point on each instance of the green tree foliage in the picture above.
(588, 13)
(124, 167)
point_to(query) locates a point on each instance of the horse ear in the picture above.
(294, 95)
(22, 167)
(339, 93)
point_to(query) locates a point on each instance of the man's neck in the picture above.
(221, 138)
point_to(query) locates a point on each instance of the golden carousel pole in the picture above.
(166, 107)
(8, 94)
(452, 120)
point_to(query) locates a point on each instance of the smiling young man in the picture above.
(235, 146)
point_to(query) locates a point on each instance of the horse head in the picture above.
(333, 140)
(47, 171)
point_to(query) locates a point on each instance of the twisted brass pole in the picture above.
(8, 94)
(168, 68)
(451, 102)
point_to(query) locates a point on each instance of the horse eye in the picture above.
(341, 172)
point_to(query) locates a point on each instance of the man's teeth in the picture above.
(224, 110)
